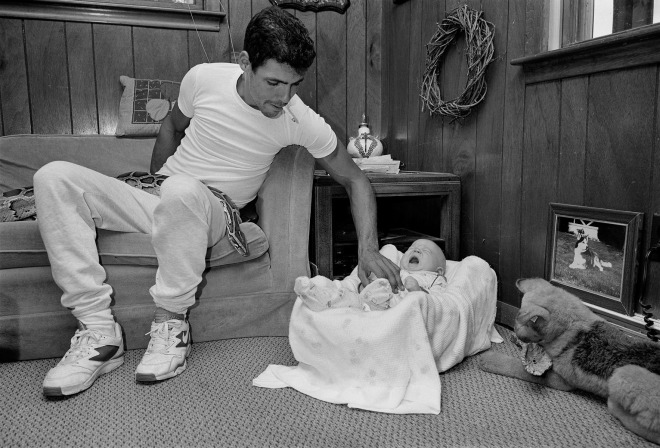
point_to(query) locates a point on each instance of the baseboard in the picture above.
(631, 324)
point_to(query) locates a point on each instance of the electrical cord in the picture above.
(231, 41)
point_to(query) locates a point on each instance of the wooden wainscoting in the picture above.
(60, 74)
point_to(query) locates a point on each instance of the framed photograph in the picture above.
(593, 253)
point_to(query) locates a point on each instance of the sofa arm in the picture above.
(284, 206)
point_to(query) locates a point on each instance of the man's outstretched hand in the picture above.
(372, 264)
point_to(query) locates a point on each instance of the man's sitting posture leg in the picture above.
(188, 219)
(73, 201)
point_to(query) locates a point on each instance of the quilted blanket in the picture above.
(388, 361)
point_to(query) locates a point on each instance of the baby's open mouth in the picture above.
(413, 260)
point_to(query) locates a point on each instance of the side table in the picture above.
(411, 205)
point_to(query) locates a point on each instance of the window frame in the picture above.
(206, 15)
(625, 49)
(197, 5)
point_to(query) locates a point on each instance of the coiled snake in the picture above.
(19, 204)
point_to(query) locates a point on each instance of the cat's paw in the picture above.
(499, 363)
(634, 398)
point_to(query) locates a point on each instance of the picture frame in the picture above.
(593, 253)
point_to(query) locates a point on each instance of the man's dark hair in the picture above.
(275, 34)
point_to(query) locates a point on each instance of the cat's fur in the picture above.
(587, 353)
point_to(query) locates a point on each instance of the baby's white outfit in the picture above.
(321, 293)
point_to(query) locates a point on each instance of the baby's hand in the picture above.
(411, 284)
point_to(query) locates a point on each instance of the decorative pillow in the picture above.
(144, 105)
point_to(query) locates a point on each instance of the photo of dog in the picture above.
(590, 259)
(584, 257)
(593, 253)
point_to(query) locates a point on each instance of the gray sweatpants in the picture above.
(73, 201)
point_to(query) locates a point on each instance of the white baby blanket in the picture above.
(388, 361)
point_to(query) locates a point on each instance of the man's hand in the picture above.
(372, 264)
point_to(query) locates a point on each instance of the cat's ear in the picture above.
(530, 314)
(530, 284)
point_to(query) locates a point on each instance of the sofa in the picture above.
(238, 297)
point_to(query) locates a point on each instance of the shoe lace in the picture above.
(81, 342)
(160, 338)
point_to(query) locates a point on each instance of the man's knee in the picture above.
(181, 188)
(53, 172)
(184, 199)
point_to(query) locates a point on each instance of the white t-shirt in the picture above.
(228, 144)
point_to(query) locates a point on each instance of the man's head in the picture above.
(424, 255)
(275, 34)
(278, 51)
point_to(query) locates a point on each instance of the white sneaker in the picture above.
(92, 354)
(167, 351)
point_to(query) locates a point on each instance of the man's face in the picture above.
(268, 88)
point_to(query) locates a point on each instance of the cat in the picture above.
(587, 353)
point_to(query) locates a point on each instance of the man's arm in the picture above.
(341, 167)
(169, 137)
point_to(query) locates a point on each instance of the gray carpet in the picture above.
(214, 404)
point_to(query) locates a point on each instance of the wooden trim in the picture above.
(199, 4)
(577, 21)
(639, 46)
(112, 13)
(633, 324)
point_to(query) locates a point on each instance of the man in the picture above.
(221, 136)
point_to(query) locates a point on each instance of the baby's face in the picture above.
(424, 255)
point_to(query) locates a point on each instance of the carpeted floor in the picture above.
(214, 404)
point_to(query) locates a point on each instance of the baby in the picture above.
(423, 268)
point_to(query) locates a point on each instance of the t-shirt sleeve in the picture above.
(315, 134)
(187, 92)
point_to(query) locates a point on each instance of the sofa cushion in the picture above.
(21, 246)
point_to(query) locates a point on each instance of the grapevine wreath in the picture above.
(479, 46)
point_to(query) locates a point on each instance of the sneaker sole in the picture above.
(152, 378)
(53, 391)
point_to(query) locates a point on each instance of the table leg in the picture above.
(323, 230)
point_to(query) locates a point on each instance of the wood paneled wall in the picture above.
(485, 149)
(63, 77)
(587, 140)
